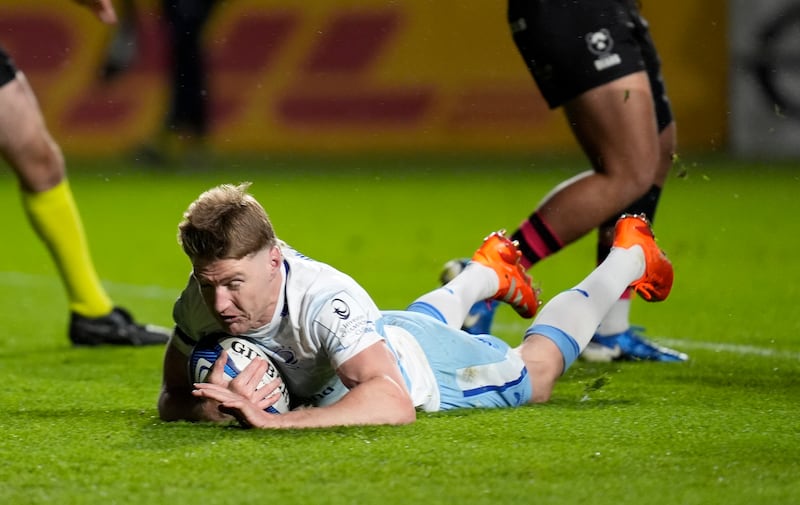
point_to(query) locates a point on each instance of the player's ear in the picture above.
(275, 257)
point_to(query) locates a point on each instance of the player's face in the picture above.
(242, 294)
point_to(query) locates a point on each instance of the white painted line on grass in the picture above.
(681, 344)
(733, 348)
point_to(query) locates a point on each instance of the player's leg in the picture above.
(47, 199)
(585, 58)
(493, 273)
(610, 87)
(596, 72)
(189, 87)
(566, 324)
(38, 164)
(182, 136)
(623, 176)
(616, 338)
(615, 126)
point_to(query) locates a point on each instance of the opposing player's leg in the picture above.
(47, 199)
(610, 87)
(614, 123)
(494, 273)
(587, 59)
(615, 126)
(616, 338)
(566, 323)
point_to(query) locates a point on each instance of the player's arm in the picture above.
(176, 402)
(102, 8)
(377, 396)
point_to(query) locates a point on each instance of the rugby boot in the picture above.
(117, 328)
(630, 345)
(656, 282)
(501, 254)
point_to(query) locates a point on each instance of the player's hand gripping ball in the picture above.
(241, 351)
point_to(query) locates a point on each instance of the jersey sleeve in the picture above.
(192, 318)
(345, 325)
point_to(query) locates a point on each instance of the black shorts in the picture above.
(573, 46)
(8, 72)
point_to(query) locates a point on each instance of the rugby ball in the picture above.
(241, 351)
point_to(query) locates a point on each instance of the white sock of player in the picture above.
(451, 302)
(578, 311)
(618, 318)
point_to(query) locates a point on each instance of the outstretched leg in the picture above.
(567, 323)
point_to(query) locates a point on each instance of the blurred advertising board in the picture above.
(344, 76)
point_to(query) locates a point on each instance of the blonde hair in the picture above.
(225, 222)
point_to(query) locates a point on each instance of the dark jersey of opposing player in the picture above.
(573, 46)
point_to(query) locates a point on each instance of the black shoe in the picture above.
(117, 328)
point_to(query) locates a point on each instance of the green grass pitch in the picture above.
(79, 426)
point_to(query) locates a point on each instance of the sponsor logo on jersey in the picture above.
(340, 308)
(601, 44)
(286, 355)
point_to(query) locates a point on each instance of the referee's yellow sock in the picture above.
(54, 216)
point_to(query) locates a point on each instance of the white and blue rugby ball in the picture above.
(241, 351)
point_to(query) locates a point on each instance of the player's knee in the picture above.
(642, 179)
(543, 388)
(631, 187)
(42, 166)
(632, 176)
(544, 375)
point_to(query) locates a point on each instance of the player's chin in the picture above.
(235, 326)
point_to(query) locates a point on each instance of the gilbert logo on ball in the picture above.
(241, 351)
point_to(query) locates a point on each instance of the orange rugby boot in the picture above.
(656, 283)
(501, 255)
